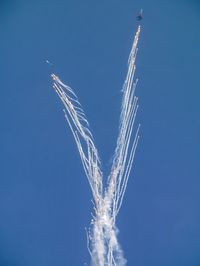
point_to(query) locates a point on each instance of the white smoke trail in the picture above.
(103, 244)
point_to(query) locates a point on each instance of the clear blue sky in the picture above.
(45, 200)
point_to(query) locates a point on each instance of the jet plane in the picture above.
(140, 15)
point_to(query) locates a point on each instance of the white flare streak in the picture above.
(102, 240)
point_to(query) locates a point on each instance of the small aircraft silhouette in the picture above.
(140, 15)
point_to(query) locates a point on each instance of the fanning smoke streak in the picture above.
(103, 244)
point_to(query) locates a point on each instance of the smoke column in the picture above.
(103, 244)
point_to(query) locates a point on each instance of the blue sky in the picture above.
(45, 200)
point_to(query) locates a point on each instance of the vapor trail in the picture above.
(103, 244)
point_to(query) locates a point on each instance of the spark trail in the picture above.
(103, 244)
